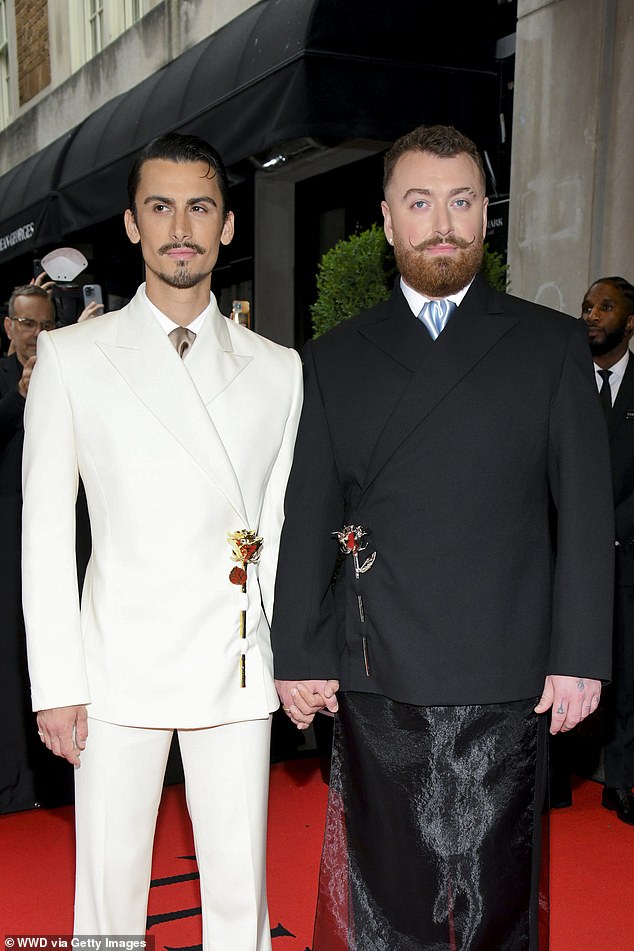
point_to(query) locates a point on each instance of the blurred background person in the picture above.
(27, 777)
(608, 310)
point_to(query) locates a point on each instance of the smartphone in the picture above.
(92, 294)
(37, 267)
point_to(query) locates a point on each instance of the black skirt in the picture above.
(434, 829)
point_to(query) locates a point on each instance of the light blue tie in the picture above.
(435, 314)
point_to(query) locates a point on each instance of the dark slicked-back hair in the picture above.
(626, 289)
(29, 290)
(178, 147)
(441, 140)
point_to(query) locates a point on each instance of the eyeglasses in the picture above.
(28, 324)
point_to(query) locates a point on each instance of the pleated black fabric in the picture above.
(434, 827)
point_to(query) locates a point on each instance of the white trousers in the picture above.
(117, 793)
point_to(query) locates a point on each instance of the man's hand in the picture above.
(572, 700)
(64, 730)
(93, 309)
(302, 699)
(23, 383)
(43, 281)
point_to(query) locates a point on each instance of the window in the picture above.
(133, 11)
(107, 19)
(94, 22)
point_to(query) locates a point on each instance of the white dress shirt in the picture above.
(417, 300)
(168, 324)
(617, 371)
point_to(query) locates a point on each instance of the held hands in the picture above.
(64, 731)
(302, 699)
(572, 699)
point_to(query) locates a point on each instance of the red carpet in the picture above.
(592, 876)
(592, 870)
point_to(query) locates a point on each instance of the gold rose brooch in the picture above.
(245, 550)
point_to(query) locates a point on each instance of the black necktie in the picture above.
(605, 393)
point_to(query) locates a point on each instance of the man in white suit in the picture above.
(178, 447)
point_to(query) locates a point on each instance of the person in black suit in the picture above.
(25, 777)
(461, 461)
(608, 310)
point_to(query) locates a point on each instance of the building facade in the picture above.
(301, 97)
(572, 202)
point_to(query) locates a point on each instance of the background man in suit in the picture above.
(467, 474)
(27, 778)
(178, 446)
(608, 310)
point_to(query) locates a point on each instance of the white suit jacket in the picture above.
(174, 455)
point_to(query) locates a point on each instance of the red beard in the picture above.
(441, 275)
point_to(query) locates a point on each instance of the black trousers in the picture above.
(619, 696)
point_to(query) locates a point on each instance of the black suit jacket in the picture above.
(621, 437)
(455, 453)
(11, 427)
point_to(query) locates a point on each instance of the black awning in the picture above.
(29, 212)
(283, 70)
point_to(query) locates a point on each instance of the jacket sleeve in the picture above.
(581, 488)
(273, 506)
(49, 573)
(304, 632)
(11, 415)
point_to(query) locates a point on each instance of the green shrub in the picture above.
(359, 272)
(494, 269)
(354, 275)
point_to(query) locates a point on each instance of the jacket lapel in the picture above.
(11, 369)
(624, 398)
(398, 333)
(178, 393)
(438, 366)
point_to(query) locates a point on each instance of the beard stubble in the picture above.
(182, 278)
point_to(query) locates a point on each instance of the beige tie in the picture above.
(182, 338)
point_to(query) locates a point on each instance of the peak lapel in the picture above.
(398, 333)
(474, 329)
(163, 382)
(212, 362)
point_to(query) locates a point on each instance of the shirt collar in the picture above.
(168, 324)
(617, 369)
(416, 300)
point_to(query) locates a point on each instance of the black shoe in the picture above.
(620, 801)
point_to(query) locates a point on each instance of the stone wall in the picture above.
(170, 27)
(572, 201)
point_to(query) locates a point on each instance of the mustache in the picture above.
(450, 239)
(181, 244)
